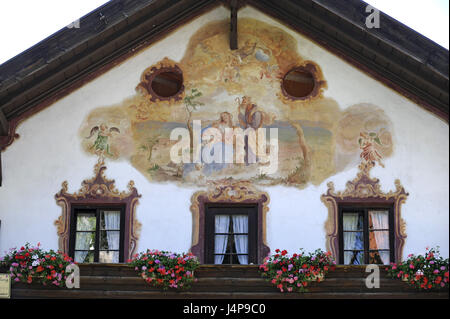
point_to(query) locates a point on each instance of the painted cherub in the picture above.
(101, 144)
(369, 152)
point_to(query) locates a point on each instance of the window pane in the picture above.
(110, 220)
(84, 256)
(379, 257)
(352, 221)
(353, 240)
(86, 221)
(222, 223)
(109, 239)
(241, 244)
(379, 239)
(109, 257)
(240, 224)
(221, 242)
(353, 257)
(85, 241)
(378, 219)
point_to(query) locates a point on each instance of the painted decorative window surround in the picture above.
(165, 67)
(364, 191)
(95, 192)
(228, 192)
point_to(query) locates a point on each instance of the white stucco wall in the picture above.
(49, 152)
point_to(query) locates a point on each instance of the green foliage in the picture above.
(191, 100)
(155, 167)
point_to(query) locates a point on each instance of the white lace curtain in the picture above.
(222, 223)
(112, 227)
(240, 225)
(380, 220)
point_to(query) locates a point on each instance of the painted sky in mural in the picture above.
(241, 88)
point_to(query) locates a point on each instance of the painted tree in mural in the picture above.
(149, 144)
(191, 104)
(302, 173)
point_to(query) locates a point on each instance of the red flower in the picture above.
(283, 253)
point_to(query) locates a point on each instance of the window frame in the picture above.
(365, 208)
(76, 209)
(231, 209)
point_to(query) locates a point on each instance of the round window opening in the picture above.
(299, 83)
(167, 84)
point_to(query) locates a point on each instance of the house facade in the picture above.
(232, 133)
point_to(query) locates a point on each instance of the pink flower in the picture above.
(411, 266)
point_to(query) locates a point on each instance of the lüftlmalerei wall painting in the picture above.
(245, 88)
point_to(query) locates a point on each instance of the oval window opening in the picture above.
(299, 83)
(167, 84)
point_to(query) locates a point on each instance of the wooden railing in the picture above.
(217, 281)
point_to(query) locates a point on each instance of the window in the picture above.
(97, 234)
(299, 83)
(366, 235)
(167, 84)
(231, 234)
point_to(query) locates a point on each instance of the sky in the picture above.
(24, 23)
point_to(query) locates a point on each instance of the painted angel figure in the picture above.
(367, 143)
(101, 144)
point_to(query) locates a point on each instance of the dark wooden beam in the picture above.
(233, 25)
(4, 125)
(1, 168)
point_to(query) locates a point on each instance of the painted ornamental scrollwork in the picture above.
(364, 189)
(228, 191)
(99, 190)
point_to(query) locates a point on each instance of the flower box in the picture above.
(293, 274)
(165, 269)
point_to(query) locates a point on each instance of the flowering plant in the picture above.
(165, 269)
(32, 264)
(423, 272)
(293, 273)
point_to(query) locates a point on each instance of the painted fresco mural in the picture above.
(243, 88)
